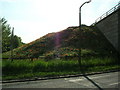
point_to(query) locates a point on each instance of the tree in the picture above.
(6, 37)
(16, 41)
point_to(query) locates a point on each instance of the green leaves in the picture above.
(6, 37)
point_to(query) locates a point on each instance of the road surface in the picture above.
(100, 81)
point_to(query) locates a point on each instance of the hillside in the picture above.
(65, 43)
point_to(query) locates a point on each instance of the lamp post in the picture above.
(12, 39)
(79, 56)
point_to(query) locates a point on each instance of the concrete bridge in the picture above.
(109, 25)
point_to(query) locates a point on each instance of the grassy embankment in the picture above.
(64, 44)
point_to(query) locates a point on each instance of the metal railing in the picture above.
(107, 13)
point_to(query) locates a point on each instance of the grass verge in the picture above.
(23, 69)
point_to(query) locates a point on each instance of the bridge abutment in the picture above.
(110, 27)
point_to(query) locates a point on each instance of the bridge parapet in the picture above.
(112, 10)
(109, 25)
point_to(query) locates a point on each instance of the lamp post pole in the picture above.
(80, 30)
(12, 39)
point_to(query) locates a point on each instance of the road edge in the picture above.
(57, 77)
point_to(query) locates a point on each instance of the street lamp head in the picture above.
(84, 4)
(88, 1)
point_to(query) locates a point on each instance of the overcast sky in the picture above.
(35, 18)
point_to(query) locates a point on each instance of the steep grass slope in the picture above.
(65, 41)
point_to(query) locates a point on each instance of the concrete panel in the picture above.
(109, 27)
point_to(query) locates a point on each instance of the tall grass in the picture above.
(27, 68)
(99, 61)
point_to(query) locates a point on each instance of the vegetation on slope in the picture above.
(67, 40)
(97, 55)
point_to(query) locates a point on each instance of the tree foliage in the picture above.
(6, 37)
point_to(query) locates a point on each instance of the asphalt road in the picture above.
(100, 81)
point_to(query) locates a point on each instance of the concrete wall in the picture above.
(109, 26)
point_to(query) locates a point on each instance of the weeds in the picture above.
(40, 68)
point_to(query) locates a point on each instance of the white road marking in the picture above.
(114, 83)
(76, 80)
(99, 76)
